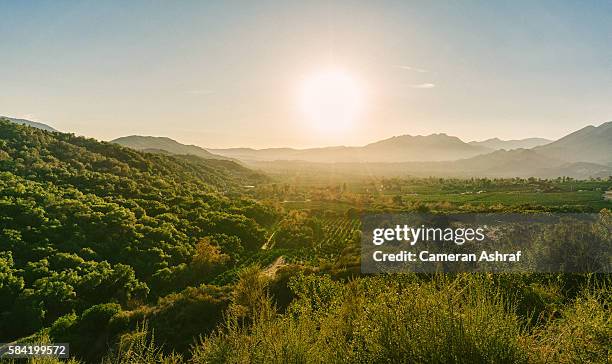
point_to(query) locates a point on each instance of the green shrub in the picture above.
(582, 334)
(62, 327)
(378, 320)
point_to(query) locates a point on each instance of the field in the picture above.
(338, 233)
(551, 194)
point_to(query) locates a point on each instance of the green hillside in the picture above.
(85, 223)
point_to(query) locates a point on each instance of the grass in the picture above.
(402, 319)
(408, 318)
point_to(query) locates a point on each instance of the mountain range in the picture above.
(496, 143)
(404, 148)
(582, 154)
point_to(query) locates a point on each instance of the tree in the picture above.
(10, 283)
(207, 258)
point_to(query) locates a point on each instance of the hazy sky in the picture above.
(225, 73)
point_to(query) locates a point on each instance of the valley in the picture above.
(306, 182)
(127, 254)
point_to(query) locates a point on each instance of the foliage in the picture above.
(297, 230)
(84, 222)
(145, 258)
(403, 319)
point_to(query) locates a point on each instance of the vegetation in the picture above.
(84, 223)
(150, 258)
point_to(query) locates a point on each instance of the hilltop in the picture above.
(31, 123)
(163, 144)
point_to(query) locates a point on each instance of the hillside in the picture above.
(496, 143)
(525, 163)
(86, 223)
(266, 154)
(590, 144)
(34, 124)
(156, 144)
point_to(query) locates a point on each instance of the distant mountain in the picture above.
(591, 144)
(29, 123)
(496, 143)
(268, 154)
(525, 163)
(405, 148)
(163, 145)
(516, 162)
(435, 147)
(583, 154)
(502, 164)
(578, 170)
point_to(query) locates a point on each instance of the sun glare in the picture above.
(331, 100)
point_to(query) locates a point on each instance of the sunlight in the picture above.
(331, 100)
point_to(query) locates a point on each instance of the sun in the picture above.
(331, 100)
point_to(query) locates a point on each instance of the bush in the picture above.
(582, 333)
(180, 318)
(62, 327)
(97, 317)
(379, 320)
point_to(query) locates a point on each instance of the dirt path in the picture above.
(267, 246)
(270, 270)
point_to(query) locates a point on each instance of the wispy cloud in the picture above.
(414, 69)
(423, 85)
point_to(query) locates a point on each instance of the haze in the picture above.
(228, 74)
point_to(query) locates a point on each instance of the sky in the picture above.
(229, 73)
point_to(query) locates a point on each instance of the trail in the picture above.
(267, 246)
(270, 270)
